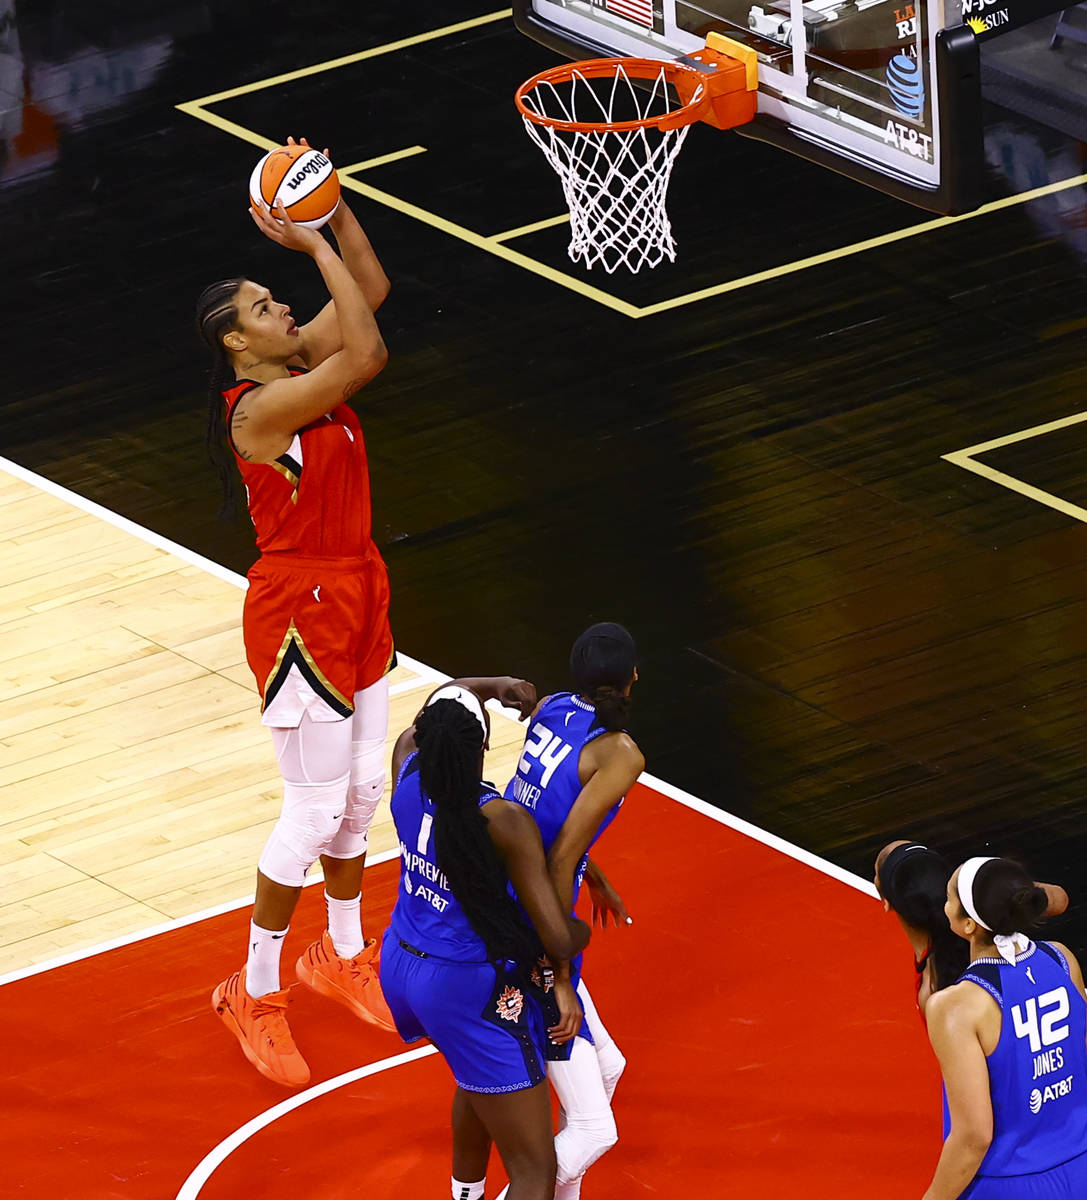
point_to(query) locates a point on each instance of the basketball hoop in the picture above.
(613, 143)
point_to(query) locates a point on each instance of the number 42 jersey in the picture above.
(1038, 1071)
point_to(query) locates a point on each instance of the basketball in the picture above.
(302, 178)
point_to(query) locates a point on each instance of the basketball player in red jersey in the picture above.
(316, 614)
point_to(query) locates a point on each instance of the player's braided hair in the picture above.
(217, 314)
(450, 742)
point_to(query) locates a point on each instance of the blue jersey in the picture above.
(547, 781)
(427, 915)
(1038, 1071)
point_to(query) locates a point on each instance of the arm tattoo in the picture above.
(354, 386)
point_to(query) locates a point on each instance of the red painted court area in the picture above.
(764, 1008)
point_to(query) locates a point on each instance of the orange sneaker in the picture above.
(351, 981)
(261, 1028)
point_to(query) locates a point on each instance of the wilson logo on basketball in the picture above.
(510, 1004)
(314, 167)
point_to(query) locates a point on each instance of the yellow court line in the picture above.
(1017, 485)
(965, 459)
(381, 160)
(802, 264)
(332, 63)
(494, 243)
(494, 247)
(533, 228)
(193, 108)
(1021, 436)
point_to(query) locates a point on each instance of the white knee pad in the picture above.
(586, 1138)
(612, 1065)
(608, 1055)
(310, 820)
(363, 796)
(590, 1126)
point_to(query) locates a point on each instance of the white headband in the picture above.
(1007, 944)
(967, 874)
(466, 699)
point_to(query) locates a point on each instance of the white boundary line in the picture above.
(206, 1168)
(427, 674)
(789, 849)
(128, 939)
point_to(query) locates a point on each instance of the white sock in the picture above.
(345, 925)
(262, 965)
(468, 1191)
(569, 1191)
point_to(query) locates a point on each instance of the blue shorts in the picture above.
(541, 991)
(477, 1014)
(1066, 1182)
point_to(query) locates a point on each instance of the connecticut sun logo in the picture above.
(542, 976)
(510, 1004)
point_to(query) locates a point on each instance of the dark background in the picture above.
(844, 638)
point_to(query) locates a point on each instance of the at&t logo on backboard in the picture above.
(906, 85)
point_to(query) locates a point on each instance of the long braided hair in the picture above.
(450, 743)
(216, 315)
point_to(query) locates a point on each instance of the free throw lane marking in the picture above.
(966, 459)
(494, 244)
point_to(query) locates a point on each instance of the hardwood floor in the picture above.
(138, 783)
(845, 637)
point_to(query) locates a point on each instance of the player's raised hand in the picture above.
(606, 901)
(278, 227)
(304, 142)
(521, 695)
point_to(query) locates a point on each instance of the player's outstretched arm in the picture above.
(508, 690)
(321, 336)
(358, 255)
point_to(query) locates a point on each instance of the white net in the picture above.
(615, 181)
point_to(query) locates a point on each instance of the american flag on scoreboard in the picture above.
(640, 11)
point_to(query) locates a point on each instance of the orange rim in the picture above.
(689, 84)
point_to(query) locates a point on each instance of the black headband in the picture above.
(603, 656)
(894, 860)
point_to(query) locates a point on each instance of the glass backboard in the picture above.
(884, 91)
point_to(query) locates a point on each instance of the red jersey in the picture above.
(315, 498)
(316, 616)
